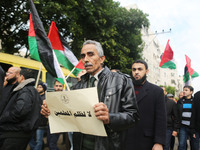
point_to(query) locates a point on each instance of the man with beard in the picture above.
(117, 107)
(19, 118)
(150, 131)
(12, 76)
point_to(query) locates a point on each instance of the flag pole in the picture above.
(190, 80)
(38, 76)
(70, 73)
(66, 84)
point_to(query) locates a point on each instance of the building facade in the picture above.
(152, 53)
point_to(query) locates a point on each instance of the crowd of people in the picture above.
(137, 115)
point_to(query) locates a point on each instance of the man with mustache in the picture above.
(150, 131)
(117, 107)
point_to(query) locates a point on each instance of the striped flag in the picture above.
(43, 45)
(63, 53)
(189, 73)
(167, 60)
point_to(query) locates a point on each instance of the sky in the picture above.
(183, 18)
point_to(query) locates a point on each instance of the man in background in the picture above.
(185, 105)
(12, 76)
(20, 115)
(36, 142)
(195, 119)
(172, 120)
(150, 131)
(52, 139)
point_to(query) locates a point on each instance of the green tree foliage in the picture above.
(116, 28)
(170, 89)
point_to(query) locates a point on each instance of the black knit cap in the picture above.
(43, 86)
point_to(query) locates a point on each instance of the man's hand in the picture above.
(157, 147)
(174, 133)
(44, 109)
(101, 112)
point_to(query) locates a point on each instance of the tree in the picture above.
(116, 28)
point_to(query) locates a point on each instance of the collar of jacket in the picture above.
(24, 83)
(103, 73)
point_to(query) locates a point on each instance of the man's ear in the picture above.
(147, 71)
(102, 58)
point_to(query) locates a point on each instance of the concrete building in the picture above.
(152, 55)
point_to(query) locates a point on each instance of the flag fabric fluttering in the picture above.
(45, 50)
(167, 60)
(63, 53)
(189, 73)
(32, 43)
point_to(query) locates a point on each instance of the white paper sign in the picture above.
(72, 111)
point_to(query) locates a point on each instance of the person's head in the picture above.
(12, 75)
(92, 56)
(139, 72)
(58, 86)
(188, 90)
(181, 94)
(164, 90)
(41, 88)
(170, 96)
(25, 74)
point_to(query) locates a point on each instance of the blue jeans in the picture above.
(52, 140)
(183, 134)
(37, 144)
(168, 139)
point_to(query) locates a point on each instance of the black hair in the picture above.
(189, 87)
(27, 73)
(142, 62)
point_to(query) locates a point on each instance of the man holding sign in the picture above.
(117, 107)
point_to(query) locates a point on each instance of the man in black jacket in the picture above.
(36, 142)
(19, 117)
(172, 119)
(11, 77)
(195, 119)
(150, 131)
(117, 107)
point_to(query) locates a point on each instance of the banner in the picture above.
(72, 111)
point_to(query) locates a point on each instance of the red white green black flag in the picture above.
(167, 60)
(63, 53)
(41, 43)
(189, 73)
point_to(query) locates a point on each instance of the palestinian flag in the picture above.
(63, 53)
(189, 73)
(167, 60)
(32, 42)
(45, 50)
